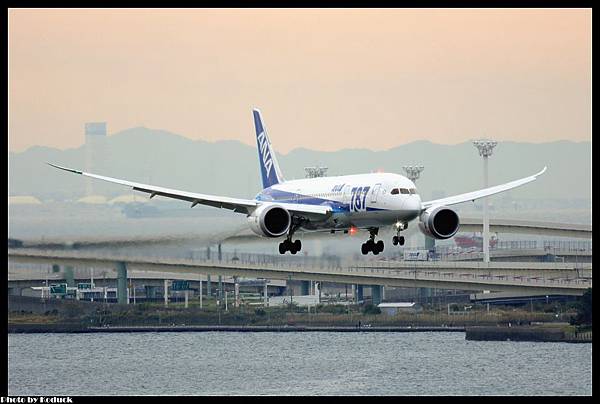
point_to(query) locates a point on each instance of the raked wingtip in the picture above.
(65, 168)
(541, 172)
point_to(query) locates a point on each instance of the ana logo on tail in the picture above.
(264, 150)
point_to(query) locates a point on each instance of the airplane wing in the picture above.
(235, 204)
(471, 196)
(246, 206)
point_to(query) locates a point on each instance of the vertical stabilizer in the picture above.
(269, 169)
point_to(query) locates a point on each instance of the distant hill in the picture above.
(231, 168)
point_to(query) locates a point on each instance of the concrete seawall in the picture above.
(66, 328)
(534, 334)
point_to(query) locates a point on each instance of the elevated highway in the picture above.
(551, 278)
(470, 224)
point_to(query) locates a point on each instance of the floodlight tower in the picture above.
(413, 172)
(315, 172)
(486, 148)
(95, 149)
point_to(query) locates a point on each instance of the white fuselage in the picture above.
(361, 200)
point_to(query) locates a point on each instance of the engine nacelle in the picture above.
(270, 221)
(440, 222)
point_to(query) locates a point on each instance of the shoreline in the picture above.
(63, 328)
(472, 333)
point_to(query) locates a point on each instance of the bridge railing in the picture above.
(568, 245)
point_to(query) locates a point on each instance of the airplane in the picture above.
(342, 203)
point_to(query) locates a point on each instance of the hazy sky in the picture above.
(324, 79)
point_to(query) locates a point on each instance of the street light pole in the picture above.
(413, 173)
(485, 148)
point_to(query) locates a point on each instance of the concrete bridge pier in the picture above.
(236, 290)
(200, 292)
(208, 286)
(150, 291)
(425, 294)
(265, 295)
(122, 297)
(220, 291)
(69, 276)
(359, 293)
(305, 288)
(429, 243)
(166, 292)
(376, 292)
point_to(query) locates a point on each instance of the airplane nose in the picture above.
(411, 204)
(414, 203)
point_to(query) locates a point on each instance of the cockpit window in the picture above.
(413, 191)
(395, 191)
(404, 191)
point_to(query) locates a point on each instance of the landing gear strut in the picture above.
(371, 245)
(398, 239)
(288, 244)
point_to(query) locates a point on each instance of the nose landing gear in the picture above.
(398, 239)
(371, 245)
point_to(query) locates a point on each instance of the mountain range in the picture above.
(230, 168)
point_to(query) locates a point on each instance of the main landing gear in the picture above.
(371, 245)
(288, 244)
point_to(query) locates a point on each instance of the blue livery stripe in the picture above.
(275, 195)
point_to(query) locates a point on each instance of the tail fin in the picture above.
(269, 169)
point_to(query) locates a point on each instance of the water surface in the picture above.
(303, 363)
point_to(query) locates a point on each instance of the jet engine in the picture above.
(270, 221)
(440, 222)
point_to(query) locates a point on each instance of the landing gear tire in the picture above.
(398, 240)
(372, 246)
(287, 245)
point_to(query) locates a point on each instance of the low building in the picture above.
(23, 200)
(93, 199)
(308, 300)
(400, 307)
